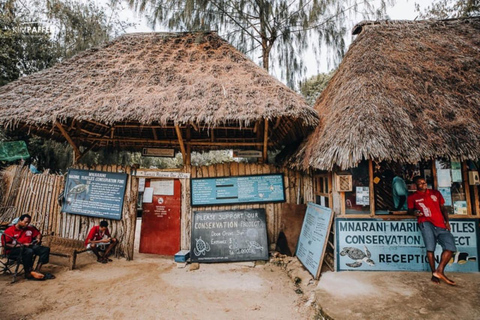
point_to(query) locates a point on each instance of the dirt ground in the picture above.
(154, 287)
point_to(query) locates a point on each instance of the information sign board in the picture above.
(375, 244)
(233, 190)
(236, 235)
(94, 193)
(313, 237)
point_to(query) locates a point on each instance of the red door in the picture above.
(160, 233)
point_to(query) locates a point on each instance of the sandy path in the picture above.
(152, 287)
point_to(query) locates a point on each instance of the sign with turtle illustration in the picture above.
(376, 244)
(235, 235)
(313, 237)
(242, 189)
(94, 193)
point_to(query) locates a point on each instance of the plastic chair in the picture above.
(11, 262)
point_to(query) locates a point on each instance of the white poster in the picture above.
(362, 197)
(456, 175)
(444, 178)
(148, 195)
(162, 187)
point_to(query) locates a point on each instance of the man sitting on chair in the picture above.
(99, 239)
(22, 234)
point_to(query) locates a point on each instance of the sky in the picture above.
(402, 10)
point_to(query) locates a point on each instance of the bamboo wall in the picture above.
(37, 194)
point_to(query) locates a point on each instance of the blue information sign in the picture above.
(242, 189)
(375, 244)
(313, 237)
(94, 193)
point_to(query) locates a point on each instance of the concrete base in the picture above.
(398, 295)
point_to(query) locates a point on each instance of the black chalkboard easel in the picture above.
(235, 235)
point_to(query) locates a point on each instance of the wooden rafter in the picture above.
(265, 142)
(64, 132)
(180, 141)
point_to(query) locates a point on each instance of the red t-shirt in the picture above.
(20, 235)
(95, 234)
(428, 203)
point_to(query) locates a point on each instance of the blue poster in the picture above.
(94, 193)
(313, 237)
(378, 245)
(233, 190)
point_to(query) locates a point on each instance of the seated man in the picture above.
(99, 239)
(22, 234)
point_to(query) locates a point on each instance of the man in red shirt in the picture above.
(428, 206)
(99, 239)
(23, 235)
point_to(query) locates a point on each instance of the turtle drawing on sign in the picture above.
(76, 190)
(254, 245)
(358, 256)
(201, 247)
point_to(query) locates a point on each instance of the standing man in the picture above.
(427, 206)
(99, 239)
(22, 234)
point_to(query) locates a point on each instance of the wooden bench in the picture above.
(63, 247)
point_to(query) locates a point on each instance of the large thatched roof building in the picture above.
(405, 91)
(192, 91)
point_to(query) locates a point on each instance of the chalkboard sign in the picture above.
(94, 193)
(313, 237)
(236, 235)
(233, 190)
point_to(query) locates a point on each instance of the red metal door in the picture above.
(160, 231)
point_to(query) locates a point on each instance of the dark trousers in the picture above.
(28, 253)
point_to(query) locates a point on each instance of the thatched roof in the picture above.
(141, 85)
(405, 91)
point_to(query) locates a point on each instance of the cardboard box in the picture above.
(182, 256)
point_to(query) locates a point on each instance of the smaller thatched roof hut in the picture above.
(405, 91)
(187, 90)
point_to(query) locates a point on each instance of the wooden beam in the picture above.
(154, 131)
(434, 175)
(265, 142)
(78, 154)
(180, 141)
(277, 123)
(466, 186)
(371, 187)
(199, 142)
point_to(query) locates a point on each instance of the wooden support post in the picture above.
(466, 187)
(182, 145)
(188, 160)
(154, 131)
(265, 142)
(371, 187)
(77, 153)
(434, 175)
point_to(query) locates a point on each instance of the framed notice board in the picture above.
(379, 245)
(235, 235)
(313, 237)
(94, 193)
(236, 190)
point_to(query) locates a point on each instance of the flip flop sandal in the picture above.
(49, 276)
(36, 279)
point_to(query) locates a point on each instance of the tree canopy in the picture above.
(281, 32)
(313, 86)
(445, 9)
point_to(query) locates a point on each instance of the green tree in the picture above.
(312, 87)
(283, 29)
(446, 9)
